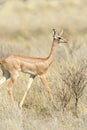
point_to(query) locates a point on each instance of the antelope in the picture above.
(13, 64)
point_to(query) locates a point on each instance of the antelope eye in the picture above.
(59, 38)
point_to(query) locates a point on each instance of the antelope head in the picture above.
(59, 37)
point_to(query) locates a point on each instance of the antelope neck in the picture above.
(52, 52)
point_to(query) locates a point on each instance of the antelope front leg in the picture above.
(46, 85)
(28, 87)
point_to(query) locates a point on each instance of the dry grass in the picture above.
(73, 79)
(25, 28)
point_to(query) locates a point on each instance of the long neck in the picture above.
(52, 52)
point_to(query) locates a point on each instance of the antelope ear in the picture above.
(54, 32)
(61, 33)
